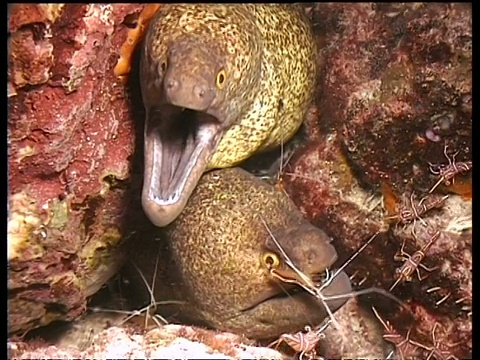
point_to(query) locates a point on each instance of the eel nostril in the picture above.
(199, 91)
(172, 84)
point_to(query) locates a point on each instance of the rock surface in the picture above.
(70, 143)
(167, 342)
(395, 91)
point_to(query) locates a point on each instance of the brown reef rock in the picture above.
(394, 97)
(70, 143)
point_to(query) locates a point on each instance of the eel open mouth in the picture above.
(179, 143)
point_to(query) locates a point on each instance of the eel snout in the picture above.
(340, 286)
(198, 91)
(179, 143)
(193, 76)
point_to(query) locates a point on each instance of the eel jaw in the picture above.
(340, 285)
(178, 146)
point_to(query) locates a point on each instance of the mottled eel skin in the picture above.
(219, 83)
(216, 253)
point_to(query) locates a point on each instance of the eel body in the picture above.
(219, 82)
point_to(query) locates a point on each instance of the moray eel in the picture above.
(216, 254)
(219, 82)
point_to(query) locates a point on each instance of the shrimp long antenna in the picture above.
(350, 259)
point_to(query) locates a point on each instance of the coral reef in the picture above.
(394, 97)
(397, 83)
(393, 102)
(167, 342)
(70, 143)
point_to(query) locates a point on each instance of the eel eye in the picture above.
(220, 80)
(163, 66)
(271, 260)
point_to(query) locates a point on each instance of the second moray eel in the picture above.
(219, 83)
(216, 254)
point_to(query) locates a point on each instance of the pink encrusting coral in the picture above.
(70, 143)
(392, 73)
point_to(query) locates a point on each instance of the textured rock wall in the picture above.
(70, 143)
(395, 90)
(394, 93)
